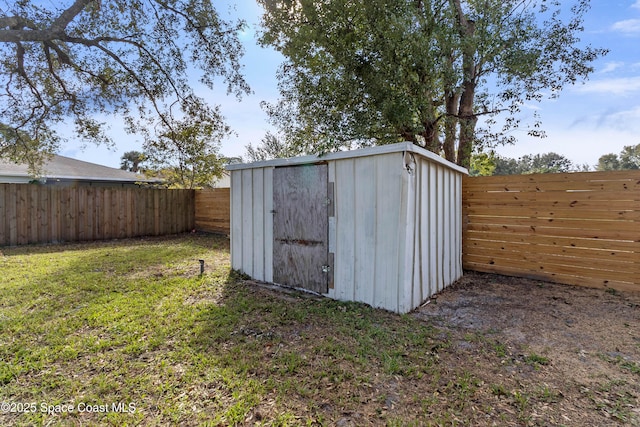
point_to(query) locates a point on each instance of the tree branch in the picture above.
(131, 72)
(10, 21)
(96, 43)
(20, 60)
(16, 26)
(52, 71)
(69, 15)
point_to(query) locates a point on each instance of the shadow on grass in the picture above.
(279, 354)
(134, 321)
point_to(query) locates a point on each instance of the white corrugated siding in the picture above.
(252, 222)
(437, 231)
(396, 235)
(369, 229)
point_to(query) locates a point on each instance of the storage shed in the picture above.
(380, 225)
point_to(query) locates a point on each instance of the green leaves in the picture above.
(629, 158)
(184, 149)
(374, 72)
(86, 57)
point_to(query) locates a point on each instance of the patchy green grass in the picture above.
(536, 360)
(129, 333)
(89, 330)
(622, 363)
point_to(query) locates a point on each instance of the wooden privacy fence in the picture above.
(578, 228)
(43, 214)
(213, 212)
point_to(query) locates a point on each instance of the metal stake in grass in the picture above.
(201, 266)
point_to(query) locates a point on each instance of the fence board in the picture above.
(12, 208)
(44, 214)
(541, 212)
(23, 220)
(598, 205)
(556, 177)
(157, 208)
(541, 260)
(552, 277)
(608, 234)
(90, 213)
(566, 223)
(579, 228)
(553, 198)
(618, 185)
(213, 210)
(533, 239)
(33, 219)
(73, 215)
(165, 206)
(591, 254)
(130, 216)
(545, 266)
(3, 214)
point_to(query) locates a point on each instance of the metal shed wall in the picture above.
(252, 222)
(396, 232)
(437, 229)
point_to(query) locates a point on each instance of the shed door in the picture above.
(300, 227)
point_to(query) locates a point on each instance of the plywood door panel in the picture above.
(300, 227)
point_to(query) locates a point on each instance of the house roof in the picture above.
(68, 169)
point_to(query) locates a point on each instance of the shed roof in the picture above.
(66, 168)
(362, 152)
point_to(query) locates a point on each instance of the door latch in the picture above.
(326, 269)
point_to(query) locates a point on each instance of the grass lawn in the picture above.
(132, 323)
(129, 333)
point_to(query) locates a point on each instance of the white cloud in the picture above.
(534, 107)
(628, 26)
(612, 66)
(618, 86)
(627, 120)
(636, 4)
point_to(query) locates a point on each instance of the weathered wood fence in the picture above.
(213, 210)
(578, 228)
(43, 214)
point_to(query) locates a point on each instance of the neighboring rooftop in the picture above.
(61, 168)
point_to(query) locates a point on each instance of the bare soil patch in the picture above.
(497, 351)
(571, 354)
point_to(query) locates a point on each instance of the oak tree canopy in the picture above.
(366, 72)
(74, 61)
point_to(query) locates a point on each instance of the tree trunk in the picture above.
(430, 135)
(409, 136)
(467, 137)
(450, 125)
(466, 114)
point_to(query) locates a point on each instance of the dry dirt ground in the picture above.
(571, 349)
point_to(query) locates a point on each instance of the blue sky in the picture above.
(586, 121)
